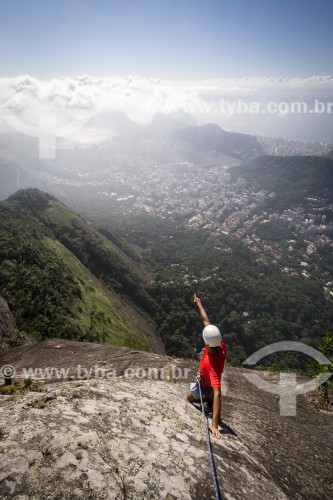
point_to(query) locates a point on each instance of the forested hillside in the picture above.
(61, 278)
(212, 138)
(291, 178)
(251, 301)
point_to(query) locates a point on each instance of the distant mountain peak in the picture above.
(211, 137)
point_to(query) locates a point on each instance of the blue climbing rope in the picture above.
(209, 446)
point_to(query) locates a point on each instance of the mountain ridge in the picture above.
(212, 138)
(50, 289)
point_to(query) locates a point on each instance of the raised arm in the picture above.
(202, 311)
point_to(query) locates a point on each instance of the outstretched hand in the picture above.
(196, 300)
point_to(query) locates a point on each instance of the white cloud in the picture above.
(141, 98)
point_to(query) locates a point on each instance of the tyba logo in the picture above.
(287, 387)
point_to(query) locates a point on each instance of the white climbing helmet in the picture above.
(212, 336)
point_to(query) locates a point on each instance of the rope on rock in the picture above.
(209, 446)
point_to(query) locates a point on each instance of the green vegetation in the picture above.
(251, 301)
(27, 382)
(18, 388)
(9, 389)
(115, 237)
(274, 232)
(325, 346)
(212, 138)
(62, 278)
(292, 178)
(101, 258)
(50, 264)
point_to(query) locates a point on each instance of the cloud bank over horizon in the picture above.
(256, 105)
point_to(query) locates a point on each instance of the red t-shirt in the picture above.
(211, 366)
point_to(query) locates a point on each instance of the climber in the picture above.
(211, 368)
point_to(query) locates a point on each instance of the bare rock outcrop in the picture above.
(125, 431)
(9, 334)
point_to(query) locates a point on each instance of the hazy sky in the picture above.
(148, 56)
(166, 38)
